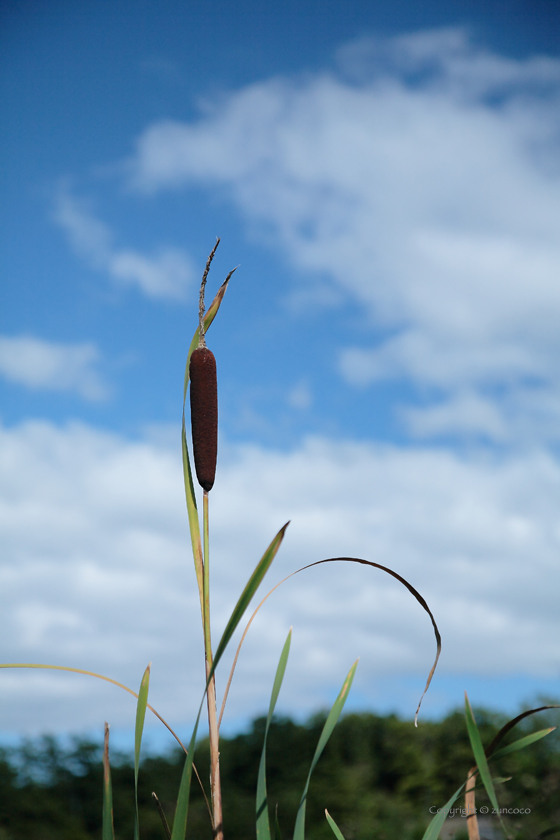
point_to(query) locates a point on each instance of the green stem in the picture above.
(213, 732)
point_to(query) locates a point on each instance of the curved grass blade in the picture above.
(336, 830)
(523, 742)
(246, 597)
(435, 826)
(263, 821)
(98, 677)
(389, 571)
(139, 728)
(481, 760)
(513, 722)
(517, 745)
(125, 688)
(119, 685)
(412, 591)
(162, 816)
(330, 723)
(107, 830)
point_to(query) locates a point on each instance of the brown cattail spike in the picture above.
(204, 415)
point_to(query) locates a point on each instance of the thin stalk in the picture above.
(213, 732)
(470, 805)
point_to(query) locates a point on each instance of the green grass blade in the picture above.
(192, 511)
(246, 596)
(513, 722)
(330, 723)
(263, 821)
(481, 760)
(107, 830)
(140, 717)
(336, 830)
(162, 816)
(182, 810)
(435, 826)
(523, 742)
(277, 832)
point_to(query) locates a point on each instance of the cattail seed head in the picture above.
(204, 415)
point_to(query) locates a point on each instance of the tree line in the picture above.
(379, 777)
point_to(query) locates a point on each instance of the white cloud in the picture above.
(97, 571)
(426, 186)
(450, 59)
(52, 366)
(300, 396)
(467, 413)
(165, 274)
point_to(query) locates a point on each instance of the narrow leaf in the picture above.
(263, 821)
(336, 830)
(97, 677)
(398, 577)
(513, 722)
(192, 511)
(330, 723)
(246, 596)
(107, 832)
(162, 816)
(523, 742)
(277, 832)
(211, 313)
(481, 760)
(182, 810)
(435, 826)
(140, 717)
(412, 591)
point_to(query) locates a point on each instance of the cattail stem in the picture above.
(215, 784)
(470, 805)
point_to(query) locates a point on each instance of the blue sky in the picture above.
(387, 179)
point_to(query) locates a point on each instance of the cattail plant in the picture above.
(200, 373)
(204, 399)
(204, 427)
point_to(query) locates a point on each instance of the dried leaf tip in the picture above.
(201, 312)
(204, 388)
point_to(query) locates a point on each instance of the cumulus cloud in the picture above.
(97, 572)
(422, 180)
(52, 366)
(165, 274)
